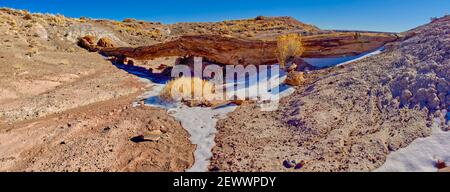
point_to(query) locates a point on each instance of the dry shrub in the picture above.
(12, 23)
(154, 33)
(56, 20)
(186, 89)
(105, 42)
(440, 164)
(295, 78)
(289, 46)
(28, 16)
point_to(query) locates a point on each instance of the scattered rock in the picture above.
(87, 42)
(151, 136)
(120, 60)
(138, 139)
(214, 169)
(130, 62)
(163, 129)
(260, 18)
(299, 165)
(294, 78)
(288, 164)
(161, 67)
(197, 103)
(238, 102)
(105, 42)
(291, 68)
(440, 164)
(89, 38)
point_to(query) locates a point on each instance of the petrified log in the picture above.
(233, 51)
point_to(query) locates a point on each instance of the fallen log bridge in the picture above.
(233, 51)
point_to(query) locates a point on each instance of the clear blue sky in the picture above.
(377, 15)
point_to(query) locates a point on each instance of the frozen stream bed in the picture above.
(421, 154)
(200, 122)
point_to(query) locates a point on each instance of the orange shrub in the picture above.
(289, 46)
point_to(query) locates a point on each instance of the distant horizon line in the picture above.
(215, 21)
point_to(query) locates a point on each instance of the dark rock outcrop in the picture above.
(233, 51)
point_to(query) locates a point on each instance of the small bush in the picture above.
(289, 46)
(186, 89)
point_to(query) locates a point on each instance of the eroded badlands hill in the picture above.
(65, 109)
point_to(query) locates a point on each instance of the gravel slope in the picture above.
(347, 118)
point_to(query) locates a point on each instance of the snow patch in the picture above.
(421, 154)
(201, 126)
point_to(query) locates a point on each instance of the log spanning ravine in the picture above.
(234, 51)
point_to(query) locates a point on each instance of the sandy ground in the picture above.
(96, 138)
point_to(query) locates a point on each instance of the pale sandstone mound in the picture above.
(347, 118)
(256, 28)
(97, 138)
(423, 72)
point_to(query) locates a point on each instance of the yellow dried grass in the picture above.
(187, 89)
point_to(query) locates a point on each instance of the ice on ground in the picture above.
(201, 126)
(421, 154)
(262, 89)
(200, 122)
(335, 61)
